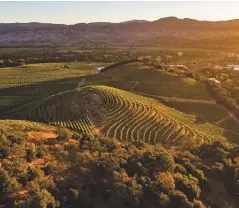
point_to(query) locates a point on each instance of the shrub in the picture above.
(187, 185)
(198, 174)
(76, 136)
(165, 181)
(189, 167)
(44, 199)
(198, 204)
(73, 194)
(63, 134)
(218, 167)
(179, 200)
(30, 155)
(7, 184)
(16, 140)
(3, 153)
(165, 162)
(163, 199)
(33, 173)
(41, 151)
(48, 169)
(180, 169)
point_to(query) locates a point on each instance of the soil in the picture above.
(41, 134)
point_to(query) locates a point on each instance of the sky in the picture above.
(77, 12)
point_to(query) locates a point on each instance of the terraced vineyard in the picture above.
(212, 113)
(118, 114)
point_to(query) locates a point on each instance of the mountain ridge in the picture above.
(133, 32)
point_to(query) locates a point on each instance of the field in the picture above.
(118, 114)
(19, 85)
(30, 82)
(211, 113)
(33, 85)
(24, 51)
(140, 78)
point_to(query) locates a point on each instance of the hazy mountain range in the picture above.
(168, 31)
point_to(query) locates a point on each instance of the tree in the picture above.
(187, 185)
(63, 134)
(198, 204)
(30, 155)
(43, 199)
(179, 200)
(66, 67)
(166, 181)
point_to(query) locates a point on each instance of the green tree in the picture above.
(43, 199)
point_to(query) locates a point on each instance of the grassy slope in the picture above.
(151, 81)
(106, 161)
(22, 84)
(21, 127)
(210, 112)
(122, 115)
(18, 85)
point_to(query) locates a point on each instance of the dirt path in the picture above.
(135, 85)
(231, 114)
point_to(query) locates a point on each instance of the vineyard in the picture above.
(22, 84)
(153, 81)
(118, 114)
(25, 80)
(211, 113)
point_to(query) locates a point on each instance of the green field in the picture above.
(24, 51)
(21, 84)
(151, 81)
(118, 114)
(25, 83)
(211, 113)
(29, 83)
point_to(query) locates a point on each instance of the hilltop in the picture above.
(119, 114)
(164, 31)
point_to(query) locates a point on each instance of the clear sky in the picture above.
(76, 12)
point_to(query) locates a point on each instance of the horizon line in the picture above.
(131, 20)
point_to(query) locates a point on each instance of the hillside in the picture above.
(43, 166)
(165, 31)
(119, 114)
(41, 80)
(138, 77)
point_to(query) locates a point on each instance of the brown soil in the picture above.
(41, 134)
(37, 162)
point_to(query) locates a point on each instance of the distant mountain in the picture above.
(169, 30)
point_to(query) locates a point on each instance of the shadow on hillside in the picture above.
(47, 88)
(232, 137)
(43, 89)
